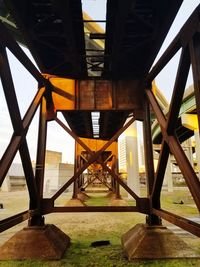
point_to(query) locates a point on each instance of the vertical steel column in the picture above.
(117, 186)
(148, 148)
(75, 184)
(149, 164)
(38, 220)
(176, 149)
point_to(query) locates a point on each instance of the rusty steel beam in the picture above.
(96, 209)
(178, 91)
(94, 157)
(148, 148)
(88, 183)
(12, 103)
(118, 179)
(104, 147)
(9, 92)
(181, 40)
(8, 156)
(195, 60)
(75, 189)
(41, 148)
(179, 87)
(74, 177)
(189, 174)
(103, 182)
(13, 220)
(51, 209)
(15, 142)
(109, 157)
(9, 41)
(184, 223)
(162, 163)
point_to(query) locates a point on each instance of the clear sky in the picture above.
(26, 87)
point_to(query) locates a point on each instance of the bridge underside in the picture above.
(120, 90)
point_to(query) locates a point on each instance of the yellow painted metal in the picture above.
(190, 121)
(96, 144)
(64, 94)
(69, 94)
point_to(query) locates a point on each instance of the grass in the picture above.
(89, 227)
(168, 200)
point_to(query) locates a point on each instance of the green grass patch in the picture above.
(85, 228)
(97, 199)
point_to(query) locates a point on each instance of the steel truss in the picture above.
(188, 40)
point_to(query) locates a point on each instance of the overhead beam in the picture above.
(63, 7)
(13, 46)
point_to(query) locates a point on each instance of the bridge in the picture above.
(188, 106)
(96, 90)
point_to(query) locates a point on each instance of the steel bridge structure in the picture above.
(119, 88)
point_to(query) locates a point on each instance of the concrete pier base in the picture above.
(75, 202)
(45, 243)
(154, 242)
(111, 195)
(83, 196)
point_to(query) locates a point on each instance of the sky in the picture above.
(26, 87)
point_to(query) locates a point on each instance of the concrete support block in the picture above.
(83, 196)
(154, 242)
(6, 187)
(75, 202)
(45, 243)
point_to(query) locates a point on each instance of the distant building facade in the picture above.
(56, 174)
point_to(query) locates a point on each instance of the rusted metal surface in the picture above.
(94, 157)
(154, 242)
(91, 209)
(176, 149)
(184, 223)
(118, 93)
(15, 142)
(148, 148)
(98, 153)
(45, 242)
(178, 91)
(160, 173)
(106, 95)
(11, 99)
(182, 39)
(40, 161)
(10, 42)
(13, 220)
(187, 38)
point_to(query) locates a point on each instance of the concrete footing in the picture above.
(111, 195)
(45, 243)
(154, 242)
(75, 202)
(83, 196)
